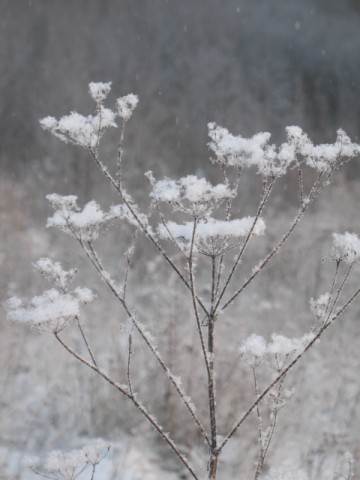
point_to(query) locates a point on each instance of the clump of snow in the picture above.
(320, 306)
(271, 160)
(99, 90)
(190, 194)
(54, 272)
(87, 131)
(126, 105)
(208, 233)
(68, 217)
(68, 465)
(87, 223)
(284, 346)
(212, 228)
(253, 350)
(51, 311)
(236, 150)
(324, 156)
(166, 190)
(278, 351)
(122, 212)
(346, 247)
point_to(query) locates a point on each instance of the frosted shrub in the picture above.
(195, 219)
(59, 465)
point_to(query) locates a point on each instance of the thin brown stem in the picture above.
(289, 367)
(128, 263)
(123, 389)
(264, 198)
(93, 472)
(267, 259)
(128, 369)
(120, 153)
(141, 225)
(193, 295)
(301, 185)
(95, 260)
(213, 460)
(258, 415)
(338, 293)
(85, 341)
(269, 436)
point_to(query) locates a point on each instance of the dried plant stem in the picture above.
(128, 263)
(338, 293)
(301, 185)
(143, 227)
(264, 198)
(212, 398)
(267, 259)
(315, 190)
(85, 341)
(267, 441)
(193, 297)
(128, 369)
(95, 260)
(213, 460)
(124, 390)
(258, 415)
(228, 217)
(209, 355)
(286, 370)
(120, 152)
(93, 472)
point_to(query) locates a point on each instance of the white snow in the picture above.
(212, 228)
(68, 465)
(319, 307)
(254, 349)
(286, 472)
(87, 131)
(51, 311)
(189, 188)
(346, 247)
(85, 224)
(126, 105)
(99, 90)
(54, 272)
(274, 161)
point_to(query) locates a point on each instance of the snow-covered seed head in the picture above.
(52, 311)
(99, 91)
(346, 247)
(126, 105)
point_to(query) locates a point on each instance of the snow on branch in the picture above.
(68, 217)
(270, 160)
(81, 130)
(99, 90)
(52, 311)
(346, 247)
(54, 272)
(280, 350)
(191, 195)
(87, 131)
(60, 465)
(210, 232)
(125, 106)
(87, 223)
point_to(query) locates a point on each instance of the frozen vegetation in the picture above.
(225, 377)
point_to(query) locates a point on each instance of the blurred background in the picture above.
(249, 65)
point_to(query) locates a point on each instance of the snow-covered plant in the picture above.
(58, 465)
(195, 228)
